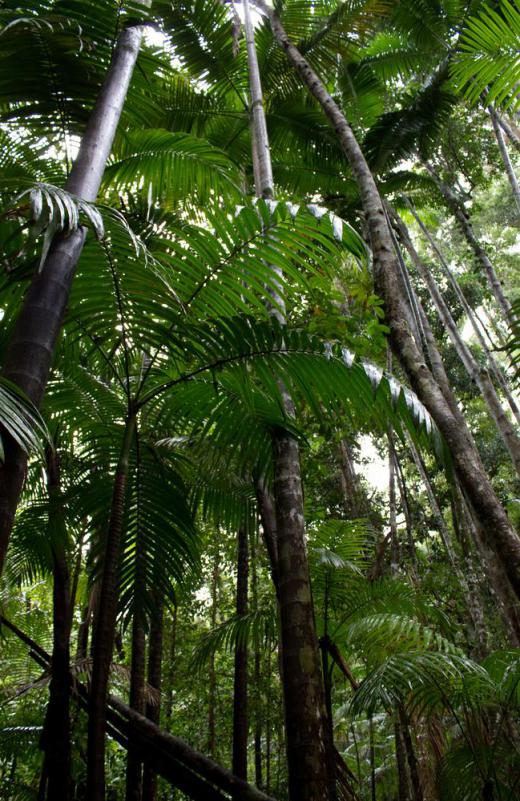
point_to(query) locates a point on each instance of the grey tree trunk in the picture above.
(458, 211)
(240, 686)
(30, 351)
(510, 172)
(468, 465)
(307, 753)
(476, 373)
(494, 367)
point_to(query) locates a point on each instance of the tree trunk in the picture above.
(212, 677)
(413, 764)
(105, 624)
(303, 692)
(153, 709)
(510, 172)
(460, 214)
(500, 533)
(56, 733)
(471, 599)
(403, 786)
(495, 369)
(307, 754)
(134, 765)
(30, 351)
(240, 689)
(475, 372)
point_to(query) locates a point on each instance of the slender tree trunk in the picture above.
(499, 584)
(400, 758)
(212, 677)
(105, 624)
(134, 765)
(510, 130)
(30, 351)
(500, 532)
(240, 691)
(170, 672)
(413, 764)
(471, 598)
(268, 521)
(257, 669)
(510, 172)
(476, 373)
(308, 758)
(460, 214)
(352, 493)
(153, 709)
(401, 483)
(494, 367)
(56, 735)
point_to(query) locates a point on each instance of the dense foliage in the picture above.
(210, 326)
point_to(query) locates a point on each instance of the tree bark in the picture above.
(105, 624)
(500, 532)
(510, 172)
(30, 351)
(460, 214)
(153, 709)
(212, 678)
(134, 765)
(56, 733)
(495, 369)
(240, 689)
(476, 373)
(307, 754)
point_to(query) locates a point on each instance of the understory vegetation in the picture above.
(259, 412)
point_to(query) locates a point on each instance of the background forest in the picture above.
(259, 429)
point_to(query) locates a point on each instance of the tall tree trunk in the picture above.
(170, 664)
(105, 624)
(307, 753)
(500, 533)
(212, 677)
(56, 735)
(153, 708)
(476, 373)
(472, 599)
(413, 764)
(460, 214)
(510, 172)
(494, 367)
(240, 689)
(257, 668)
(403, 786)
(134, 765)
(30, 351)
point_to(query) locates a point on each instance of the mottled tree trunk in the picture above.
(493, 366)
(508, 165)
(460, 214)
(56, 733)
(30, 351)
(307, 753)
(212, 676)
(475, 372)
(134, 765)
(153, 708)
(306, 737)
(468, 465)
(240, 689)
(105, 624)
